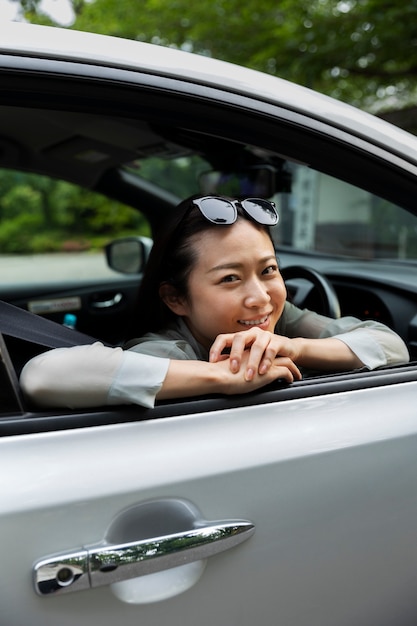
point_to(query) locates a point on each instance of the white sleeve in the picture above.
(92, 375)
(138, 380)
(373, 343)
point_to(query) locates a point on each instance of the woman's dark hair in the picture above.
(171, 260)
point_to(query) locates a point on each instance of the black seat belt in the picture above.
(21, 324)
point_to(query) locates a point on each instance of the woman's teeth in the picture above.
(253, 322)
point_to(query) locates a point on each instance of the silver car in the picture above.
(295, 505)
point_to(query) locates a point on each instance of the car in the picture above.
(292, 505)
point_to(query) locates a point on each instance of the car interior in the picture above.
(346, 240)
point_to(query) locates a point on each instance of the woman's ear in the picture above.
(170, 296)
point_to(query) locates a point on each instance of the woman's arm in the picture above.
(96, 375)
(92, 375)
(374, 343)
(194, 378)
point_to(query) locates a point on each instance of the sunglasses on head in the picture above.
(223, 211)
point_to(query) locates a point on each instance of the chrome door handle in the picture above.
(105, 564)
(107, 304)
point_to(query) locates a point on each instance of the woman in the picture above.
(216, 308)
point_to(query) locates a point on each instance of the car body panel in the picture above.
(324, 485)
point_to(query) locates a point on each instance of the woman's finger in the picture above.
(237, 343)
(262, 354)
(243, 341)
(219, 344)
(289, 365)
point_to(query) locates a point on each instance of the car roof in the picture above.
(70, 45)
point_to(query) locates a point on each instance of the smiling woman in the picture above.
(234, 284)
(214, 292)
(221, 289)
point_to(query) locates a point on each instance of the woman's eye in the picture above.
(271, 269)
(230, 278)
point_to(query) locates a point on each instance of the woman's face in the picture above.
(234, 285)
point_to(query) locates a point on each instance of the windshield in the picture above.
(318, 213)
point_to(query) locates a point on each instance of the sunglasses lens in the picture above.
(263, 211)
(218, 210)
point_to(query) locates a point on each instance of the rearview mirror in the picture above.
(128, 255)
(256, 181)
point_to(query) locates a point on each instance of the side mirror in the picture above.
(128, 255)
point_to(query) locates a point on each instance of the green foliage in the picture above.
(358, 50)
(15, 234)
(20, 200)
(39, 214)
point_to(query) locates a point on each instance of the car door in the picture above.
(285, 507)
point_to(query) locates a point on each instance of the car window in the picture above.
(52, 230)
(326, 215)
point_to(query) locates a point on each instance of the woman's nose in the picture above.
(257, 294)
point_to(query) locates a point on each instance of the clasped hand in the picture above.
(258, 351)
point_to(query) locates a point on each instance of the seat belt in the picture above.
(21, 324)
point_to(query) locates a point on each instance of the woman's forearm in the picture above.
(92, 375)
(96, 375)
(325, 354)
(194, 378)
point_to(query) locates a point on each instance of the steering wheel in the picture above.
(329, 301)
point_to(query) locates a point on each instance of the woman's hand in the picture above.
(196, 378)
(238, 382)
(328, 353)
(261, 347)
